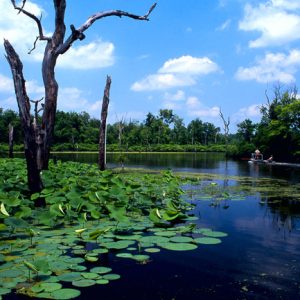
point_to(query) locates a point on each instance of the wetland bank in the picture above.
(160, 236)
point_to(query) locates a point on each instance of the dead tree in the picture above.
(102, 132)
(56, 44)
(226, 130)
(11, 140)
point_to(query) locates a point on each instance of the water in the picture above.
(260, 258)
(205, 162)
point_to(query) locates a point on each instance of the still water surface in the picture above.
(260, 258)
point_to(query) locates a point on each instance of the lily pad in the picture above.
(50, 286)
(165, 233)
(178, 246)
(65, 294)
(84, 282)
(89, 275)
(207, 240)
(181, 239)
(124, 255)
(152, 250)
(215, 234)
(102, 281)
(101, 270)
(111, 276)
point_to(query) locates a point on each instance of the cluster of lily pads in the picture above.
(86, 215)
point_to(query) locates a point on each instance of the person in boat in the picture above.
(257, 154)
(270, 159)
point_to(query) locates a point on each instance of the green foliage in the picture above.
(87, 213)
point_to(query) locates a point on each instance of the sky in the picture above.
(196, 57)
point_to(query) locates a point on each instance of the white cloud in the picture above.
(6, 84)
(189, 65)
(224, 26)
(21, 32)
(273, 67)
(277, 21)
(250, 112)
(173, 101)
(178, 96)
(162, 82)
(177, 72)
(95, 55)
(286, 4)
(196, 109)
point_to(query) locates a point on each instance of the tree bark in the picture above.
(102, 131)
(38, 137)
(33, 173)
(11, 141)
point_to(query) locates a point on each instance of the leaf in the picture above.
(3, 210)
(30, 266)
(61, 209)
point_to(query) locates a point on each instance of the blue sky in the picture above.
(194, 57)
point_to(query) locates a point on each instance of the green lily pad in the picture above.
(153, 239)
(152, 250)
(140, 257)
(215, 234)
(4, 291)
(124, 255)
(111, 276)
(65, 294)
(165, 233)
(102, 281)
(89, 275)
(69, 277)
(181, 239)
(11, 273)
(207, 241)
(178, 246)
(83, 282)
(122, 244)
(91, 258)
(100, 270)
(50, 286)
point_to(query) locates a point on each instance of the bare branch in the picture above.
(37, 20)
(34, 45)
(78, 33)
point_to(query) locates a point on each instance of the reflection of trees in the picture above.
(285, 212)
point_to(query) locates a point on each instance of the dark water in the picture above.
(205, 162)
(260, 258)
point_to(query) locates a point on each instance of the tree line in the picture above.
(79, 130)
(277, 133)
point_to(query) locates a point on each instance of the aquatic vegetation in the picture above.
(65, 232)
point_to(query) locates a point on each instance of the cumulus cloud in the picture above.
(177, 72)
(273, 67)
(173, 101)
(6, 84)
(251, 112)
(196, 109)
(278, 22)
(95, 55)
(21, 31)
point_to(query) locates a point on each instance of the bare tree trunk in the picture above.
(11, 141)
(102, 131)
(38, 137)
(33, 173)
(226, 131)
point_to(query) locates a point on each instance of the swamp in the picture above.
(166, 226)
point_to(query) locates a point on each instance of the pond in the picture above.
(257, 206)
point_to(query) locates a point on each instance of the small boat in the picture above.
(259, 159)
